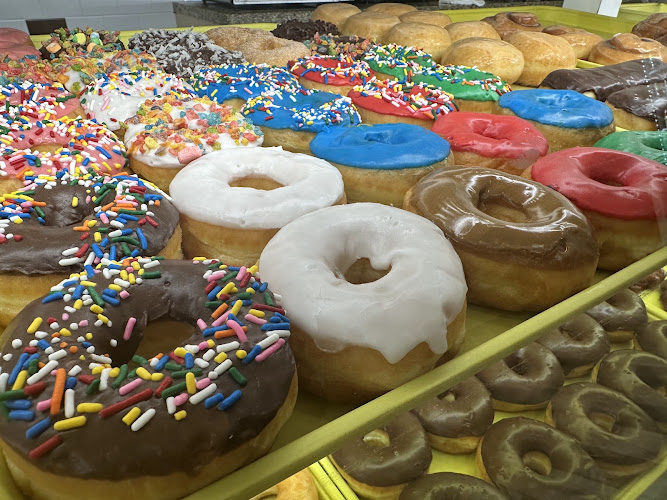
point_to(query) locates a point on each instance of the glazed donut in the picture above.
(581, 41)
(68, 223)
(640, 108)
(363, 250)
(652, 337)
(617, 433)
(507, 22)
(371, 25)
(233, 202)
(649, 144)
(450, 485)
(381, 463)
(380, 163)
(493, 56)
(15, 36)
(291, 117)
(28, 68)
(275, 51)
(336, 13)
(526, 458)
(578, 344)
(120, 374)
(456, 420)
(566, 118)
(469, 29)
(167, 133)
(505, 143)
(621, 315)
(332, 74)
(426, 17)
(430, 38)
(654, 26)
(523, 246)
(542, 54)
(618, 192)
(396, 62)
(624, 47)
(300, 486)
(46, 101)
(395, 9)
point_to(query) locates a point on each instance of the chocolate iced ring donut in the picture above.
(447, 485)
(641, 376)
(652, 337)
(621, 315)
(526, 458)
(456, 420)
(617, 433)
(385, 459)
(578, 344)
(524, 380)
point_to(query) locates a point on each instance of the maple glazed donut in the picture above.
(621, 315)
(351, 256)
(233, 202)
(523, 246)
(621, 194)
(332, 74)
(72, 388)
(46, 100)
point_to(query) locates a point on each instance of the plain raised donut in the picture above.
(430, 38)
(336, 13)
(371, 25)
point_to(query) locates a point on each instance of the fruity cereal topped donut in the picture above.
(98, 406)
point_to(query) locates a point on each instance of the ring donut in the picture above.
(444, 485)
(45, 100)
(621, 315)
(652, 338)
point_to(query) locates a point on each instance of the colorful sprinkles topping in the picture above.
(341, 70)
(463, 82)
(397, 61)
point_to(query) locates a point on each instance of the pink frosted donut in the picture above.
(17, 50)
(15, 36)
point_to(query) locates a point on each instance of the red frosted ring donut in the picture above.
(506, 143)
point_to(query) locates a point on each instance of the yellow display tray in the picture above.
(641, 11)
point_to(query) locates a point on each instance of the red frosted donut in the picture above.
(15, 36)
(332, 74)
(623, 195)
(17, 50)
(505, 143)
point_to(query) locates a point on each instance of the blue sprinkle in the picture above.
(232, 268)
(70, 383)
(86, 344)
(90, 272)
(275, 319)
(27, 361)
(19, 404)
(112, 253)
(69, 283)
(234, 318)
(104, 152)
(246, 302)
(127, 217)
(85, 161)
(263, 287)
(251, 355)
(211, 295)
(211, 401)
(275, 326)
(22, 415)
(104, 243)
(114, 266)
(126, 232)
(35, 430)
(60, 174)
(97, 250)
(110, 300)
(255, 286)
(284, 318)
(230, 400)
(52, 297)
(109, 292)
(189, 360)
(43, 344)
(142, 239)
(161, 364)
(78, 291)
(210, 331)
(135, 252)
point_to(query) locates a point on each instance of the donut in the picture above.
(581, 41)
(236, 38)
(640, 108)
(621, 315)
(578, 344)
(617, 433)
(78, 41)
(456, 420)
(652, 337)
(624, 47)
(380, 163)
(390, 101)
(430, 38)
(505, 143)
(114, 369)
(542, 54)
(28, 68)
(327, 45)
(469, 29)
(233, 202)
(649, 144)
(45, 100)
(16, 36)
(14, 50)
(274, 51)
(332, 74)
(369, 24)
(641, 376)
(395, 9)
(426, 17)
(654, 26)
(526, 458)
(380, 463)
(493, 56)
(523, 246)
(298, 31)
(450, 485)
(349, 252)
(650, 282)
(507, 22)
(299, 486)
(291, 117)
(617, 193)
(663, 295)
(396, 62)
(167, 133)
(336, 13)
(566, 118)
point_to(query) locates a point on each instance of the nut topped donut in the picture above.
(82, 366)
(621, 315)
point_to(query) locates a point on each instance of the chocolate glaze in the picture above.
(528, 376)
(574, 474)
(663, 295)
(555, 235)
(652, 338)
(406, 458)
(299, 31)
(638, 375)
(624, 311)
(645, 101)
(650, 282)
(634, 437)
(469, 414)
(606, 80)
(577, 342)
(450, 486)
(106, 448)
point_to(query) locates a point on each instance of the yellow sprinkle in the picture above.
(157, 376)
(211, 343)
(131, 416)
(257, 313)
(180, 415)
(227, 288)
(82, 357)
(75, 201)
(89, 407)
(115, 287)
(70, 423)
(199, 258)
(88, 283)
(236, 307)
(131, 279)
(123, 275)
(250, 290)
(92, 223)
(78, 304)
(190, 383)
(34, 325)
(180, 352)
(143, 373)
(16, 220)
(89, 336)
(136, 266)
(114, 372)
(98, 237)
(241, 354)
(65, 332)
(141, 272)
(97, 370)
(220, 357)
(96, 309)
(103, 318)
(20, 380)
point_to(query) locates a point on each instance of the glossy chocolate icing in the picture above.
(652, 338)
(634, 437)
(407, 456)
(641, 376)
(105, 447)
(469, 413)
(645, 101)
(528, 376)
(450, 486)
(606, 80)
(556, 233)
(624, 311)
(574, 474)
(577, 342)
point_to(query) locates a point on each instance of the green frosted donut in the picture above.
(463, 82)
(651, 145)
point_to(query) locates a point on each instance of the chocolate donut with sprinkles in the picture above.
(88, 416)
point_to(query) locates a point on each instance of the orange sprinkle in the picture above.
(63, 345)
(107, 206)
(58, 390)
(227, 333)
(21, 173)
(221, 308)
(73, 349)
(81, 229)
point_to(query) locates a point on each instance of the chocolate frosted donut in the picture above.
(621, 315)
(652, 338)
(450, 486)
(524, 380)
(641, 376)
(617, 433)
(528, 459)
(578, 344)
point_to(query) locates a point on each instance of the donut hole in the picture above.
(538, 462)
(499, 207)
(448, 397)
(603, 420)
(163, 336)
(362, 272)
(608, 182)
(377, 438)
(256, 182)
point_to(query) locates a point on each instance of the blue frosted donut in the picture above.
(560, 108)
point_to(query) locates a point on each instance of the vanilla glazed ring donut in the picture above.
(652, 338)
(353, 261)
(210, 403)
(445, 485)
(46, 100)
(621, 315)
